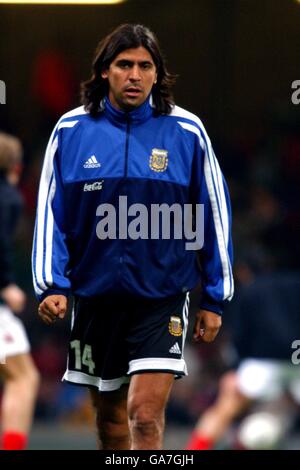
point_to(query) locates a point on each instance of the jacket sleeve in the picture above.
(216, 253)
(50, 255)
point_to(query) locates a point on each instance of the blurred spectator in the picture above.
(17, 369)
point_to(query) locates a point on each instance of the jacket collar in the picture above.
(137, 116)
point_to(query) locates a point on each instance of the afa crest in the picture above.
(158, 160)
(175, 327)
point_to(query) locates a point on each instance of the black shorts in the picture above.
(113, 338)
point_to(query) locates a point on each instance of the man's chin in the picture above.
(130, 104)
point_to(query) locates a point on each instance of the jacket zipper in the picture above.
(125, 176)
(126, 146)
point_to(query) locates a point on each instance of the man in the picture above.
(17, 369)
(126, 151)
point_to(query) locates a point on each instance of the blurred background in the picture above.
(236, 61)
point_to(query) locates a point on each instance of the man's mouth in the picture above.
(133, 91)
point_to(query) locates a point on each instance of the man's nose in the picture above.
(135, 74)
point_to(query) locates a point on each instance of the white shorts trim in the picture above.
(13, 337)
(158, 363)
(103, 385)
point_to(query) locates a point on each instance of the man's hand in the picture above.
(52, 308)
(14, 297)
(207, 326)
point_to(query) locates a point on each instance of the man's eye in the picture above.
(124, 66)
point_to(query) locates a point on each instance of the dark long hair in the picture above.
(127, 36)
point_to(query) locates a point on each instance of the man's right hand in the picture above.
(52, 308)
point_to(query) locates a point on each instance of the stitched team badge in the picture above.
(175, 327)
(158, 160)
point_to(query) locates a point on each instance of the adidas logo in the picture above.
(92, 163)
(175, 349)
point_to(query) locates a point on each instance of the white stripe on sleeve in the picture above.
(213, 178)
(45, 220)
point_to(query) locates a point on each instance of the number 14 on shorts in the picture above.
(83, 356)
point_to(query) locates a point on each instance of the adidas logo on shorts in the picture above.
(175, 349)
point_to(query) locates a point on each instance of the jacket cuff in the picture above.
(212, 305)
(65, 292)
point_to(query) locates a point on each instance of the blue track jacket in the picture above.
(150, 159)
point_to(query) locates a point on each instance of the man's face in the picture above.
(131, 76)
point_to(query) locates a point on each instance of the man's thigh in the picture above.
(111, 406)
(111, 418)
(150, 391)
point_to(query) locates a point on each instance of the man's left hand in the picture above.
(207, 325)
